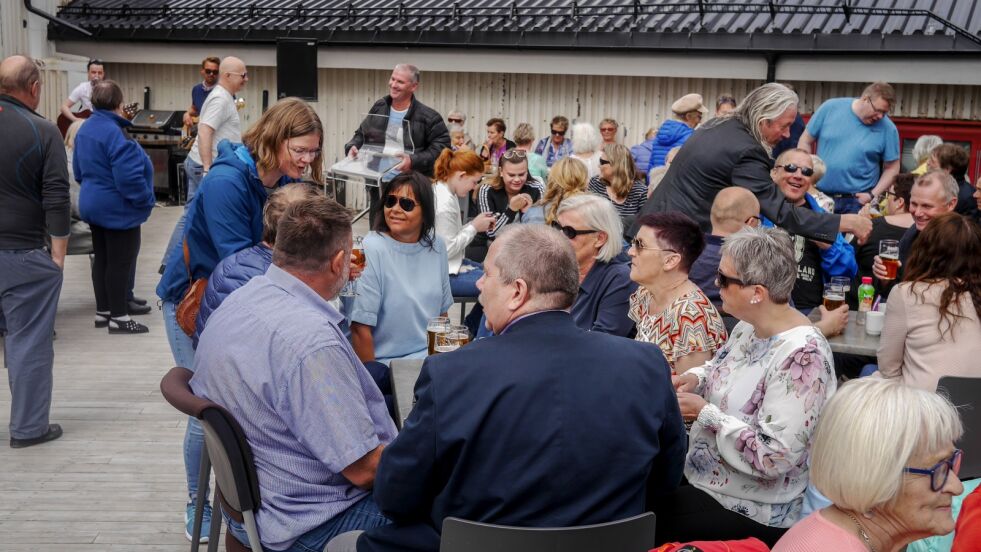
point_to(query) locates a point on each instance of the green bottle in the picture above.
(866, 294)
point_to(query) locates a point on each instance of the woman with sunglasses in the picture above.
(594, 229)
(669, 309)
(405, 282)
(753, 406)
(618, 181)
(883, 452)
(513, 192)
(225, 217)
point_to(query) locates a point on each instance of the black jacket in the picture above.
(726, 154)
(426, 136)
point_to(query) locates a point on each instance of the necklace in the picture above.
(861, 530)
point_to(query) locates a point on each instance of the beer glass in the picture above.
(889, 253)
(844, 281)
(436, 326)
(834, 295)
(357, 251)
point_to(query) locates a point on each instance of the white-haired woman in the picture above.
(586, 143)
(884, 454)
(921, 152)
(754, 405)
(594, 229)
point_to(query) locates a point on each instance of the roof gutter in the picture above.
(55, 20)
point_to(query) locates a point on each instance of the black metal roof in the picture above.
(825, 26)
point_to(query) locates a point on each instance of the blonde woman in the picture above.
(567, 178)
(618, 180)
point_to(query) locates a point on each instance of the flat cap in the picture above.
(689, 102)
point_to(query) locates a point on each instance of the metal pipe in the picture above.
(55, 20)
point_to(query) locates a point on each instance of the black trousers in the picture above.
(689, 514)
(115, 258)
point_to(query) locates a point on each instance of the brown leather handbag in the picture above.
(187, 310)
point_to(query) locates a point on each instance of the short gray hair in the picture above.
(585, 138)
(924, 146)
(764, 104)
(543, 258)
(412, 70)
(598, 214)
(764, 256)
(946, 181)
(875, 426)
(459, 115)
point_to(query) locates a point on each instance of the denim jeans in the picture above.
(846, 205)
(464, 284)
(194, 173)
(363, 514)
(183, 351)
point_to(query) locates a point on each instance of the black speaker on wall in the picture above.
(296, 68)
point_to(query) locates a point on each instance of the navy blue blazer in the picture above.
(544, 425)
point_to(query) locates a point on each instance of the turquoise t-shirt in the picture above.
(402, 287)
(852, 150)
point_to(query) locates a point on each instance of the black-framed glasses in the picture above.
(558, 132)
(515, 153)
(940, 471)
(753, 221)
(604, 161)
(457, 121)
(571, 232)
(210, 71)
(639, 246)
(791, 168)
(890, 193)
(723, 281)
(882, 112)
(407, 204)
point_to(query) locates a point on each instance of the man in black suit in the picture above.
(542, 425)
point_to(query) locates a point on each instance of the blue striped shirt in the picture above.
(273, 355)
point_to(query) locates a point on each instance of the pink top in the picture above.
(816, 534)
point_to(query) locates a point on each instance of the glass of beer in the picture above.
(357, 257)
(844, 281)
(834, 295)
(438, 325)
(889, 253)
(460, 333)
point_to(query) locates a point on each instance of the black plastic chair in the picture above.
(237, 484)
(965, 393)
(634, 534)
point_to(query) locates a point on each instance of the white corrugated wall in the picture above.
(638, 102)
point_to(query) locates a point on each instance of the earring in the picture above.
(753, 301)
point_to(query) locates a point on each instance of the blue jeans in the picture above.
(183, 351)
(194, 173)
(846, 205)
(362, 515)
(464, 284)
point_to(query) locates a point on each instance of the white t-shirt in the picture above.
(82, 93)
(450, 227)
(218, 112)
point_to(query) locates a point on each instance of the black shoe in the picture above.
(132, 307)
(54, 431)
(137, 300)
(127, 327)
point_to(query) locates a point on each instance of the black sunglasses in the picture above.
(458, 121)
(722, 281)
(571, 232)
(211, 71)
(558, 132)
(604, 161)
(405, 203)
(791, 168)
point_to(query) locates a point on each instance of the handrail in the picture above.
(30, 7)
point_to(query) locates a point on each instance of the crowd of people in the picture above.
(650, 334)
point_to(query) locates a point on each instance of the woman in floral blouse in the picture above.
(754, 405)
(669, 309)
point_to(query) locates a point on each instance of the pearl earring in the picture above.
(753, 301)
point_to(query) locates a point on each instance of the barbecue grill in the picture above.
(159, 132)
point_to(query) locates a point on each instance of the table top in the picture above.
(854, 340)
(405, 372)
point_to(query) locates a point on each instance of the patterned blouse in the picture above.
(750, 444)
(689, 325)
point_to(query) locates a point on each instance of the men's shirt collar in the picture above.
(294, 286)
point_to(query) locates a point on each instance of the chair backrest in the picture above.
(634, 534)
(176, 389)
(965, 393)
(231, 459)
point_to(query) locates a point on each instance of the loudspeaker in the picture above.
(296, 68)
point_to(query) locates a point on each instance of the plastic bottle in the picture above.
(866, 294)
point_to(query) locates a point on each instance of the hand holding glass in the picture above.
(358, 259)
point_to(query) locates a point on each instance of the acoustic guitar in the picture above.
(129, 111)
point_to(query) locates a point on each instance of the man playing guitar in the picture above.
(82, 94)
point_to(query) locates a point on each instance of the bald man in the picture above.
(34, 206)
(734, 208)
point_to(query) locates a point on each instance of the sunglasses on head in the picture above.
(791, 168)
(558, 132)
(571, 232)
(407, 204)
(514, 153)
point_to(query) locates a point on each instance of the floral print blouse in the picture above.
(749, 446)
(691, 324)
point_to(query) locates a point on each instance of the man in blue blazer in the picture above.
(542, 425)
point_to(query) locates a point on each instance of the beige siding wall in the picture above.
(638, 102)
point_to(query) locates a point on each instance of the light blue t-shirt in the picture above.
(402, 287)
(852, 150)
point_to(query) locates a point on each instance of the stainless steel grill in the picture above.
(159, 132)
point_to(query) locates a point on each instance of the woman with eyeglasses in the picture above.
(668, 308)
(891, 226)
(618, 181)
(283, 146)
(753, 406)
(883, 452)
(513, 192)
(405, 282)
(594, 229)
